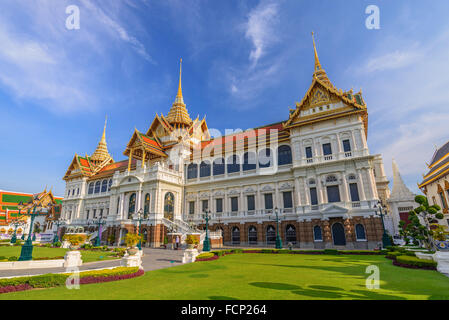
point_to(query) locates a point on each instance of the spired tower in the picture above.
(101, 154)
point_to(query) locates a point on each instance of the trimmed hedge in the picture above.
(414, 262)
(205, 255)
(56, 280)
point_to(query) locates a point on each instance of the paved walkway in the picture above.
(153, 259)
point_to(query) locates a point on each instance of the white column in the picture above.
(319, 189)
(296, 194)
(361, 185)
(345, 197)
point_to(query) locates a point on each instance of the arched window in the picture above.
(338, 234)
(97, 186)
(205, 169)
(265, 158)
(249, 161)
(360, 232)
(235, 235)
(146, 206)
(233, 163)
(104, 185)
(312, 182)
(284, 155)
(132, 205)
(192, 171)
(109, 184)
(219, 229)
(218, 166)
(169, 205)
(290, 233)
(252, 235)
(271, 235)
(317, 233)
(331, 178)
(352, 177)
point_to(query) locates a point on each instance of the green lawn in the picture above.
(264, 276)
(41, 252)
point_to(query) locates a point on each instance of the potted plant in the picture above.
(75, 240)
(191, 241)
(111, 239)
(131, 240)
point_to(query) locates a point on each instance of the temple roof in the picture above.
(400, 190)
(101, 153)
(178, 114)
(439, 165)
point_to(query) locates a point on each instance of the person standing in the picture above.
(177, 242)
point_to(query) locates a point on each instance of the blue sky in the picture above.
(244, 64)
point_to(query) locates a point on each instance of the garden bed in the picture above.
(58, 280)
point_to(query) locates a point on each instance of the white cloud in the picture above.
(392, 60)
(260, 28)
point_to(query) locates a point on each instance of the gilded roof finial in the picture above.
(319, 72)
(178, 115)
(179, 98)
(101, 153)
(317, 60)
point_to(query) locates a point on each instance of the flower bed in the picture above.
(207, 256)
(56, 280)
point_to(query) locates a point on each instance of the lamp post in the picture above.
(206, 243)
(98, 222)
(27, 249)
(58, 223)
(278, 237)
(385, 238)
(16, 223)
(138, 216)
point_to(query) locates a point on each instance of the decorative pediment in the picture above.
(267, 187)
(332, 209)
(249, 190)
(286, 185)
(219, 193)
(205, 195)
(234, 191)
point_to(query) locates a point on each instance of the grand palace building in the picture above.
(314, 169)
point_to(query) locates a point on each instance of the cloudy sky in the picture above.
(244, 64)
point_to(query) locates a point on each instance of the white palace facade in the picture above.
(315, 169)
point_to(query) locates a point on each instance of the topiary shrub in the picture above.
(408, 261)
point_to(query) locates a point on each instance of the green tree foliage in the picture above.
(415, 229)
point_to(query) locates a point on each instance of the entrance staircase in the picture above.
(183, 227)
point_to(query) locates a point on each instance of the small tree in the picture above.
(429, 214)
(132, 239)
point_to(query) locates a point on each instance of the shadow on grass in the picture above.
(221, 298)
(274, 285)
(199, 275)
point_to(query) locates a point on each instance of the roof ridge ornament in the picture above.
(318, 71)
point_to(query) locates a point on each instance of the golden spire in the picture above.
(178, 114)
(319, 72)
(101, 153)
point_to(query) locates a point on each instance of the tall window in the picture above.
(251, 202)
(333, 194)
(191, 207)
(146, 206)
(104, 185)
(219, 205)
(169, 205)
(205, 169)
(234, 204)
(313, 196)
(346, 145)
(87, 215)
(95, 213)
(249, 161)
(252, 235)
(309, 152)
(290, 234)
(204, 205)
(118, 204)
(97, 186)
(327, 149)
(271, 235)
(192, 171)
(317, 234)
(360, 232)
(268, 197)
(265, 158)
(354, 192)
(132, 205)
(287, 197)
(284, 155)
(219, 166)
(109, 184)
(443, 200)
(235, 235)
(233, 164)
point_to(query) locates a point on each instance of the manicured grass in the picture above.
(40, 252)
(264, 276)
